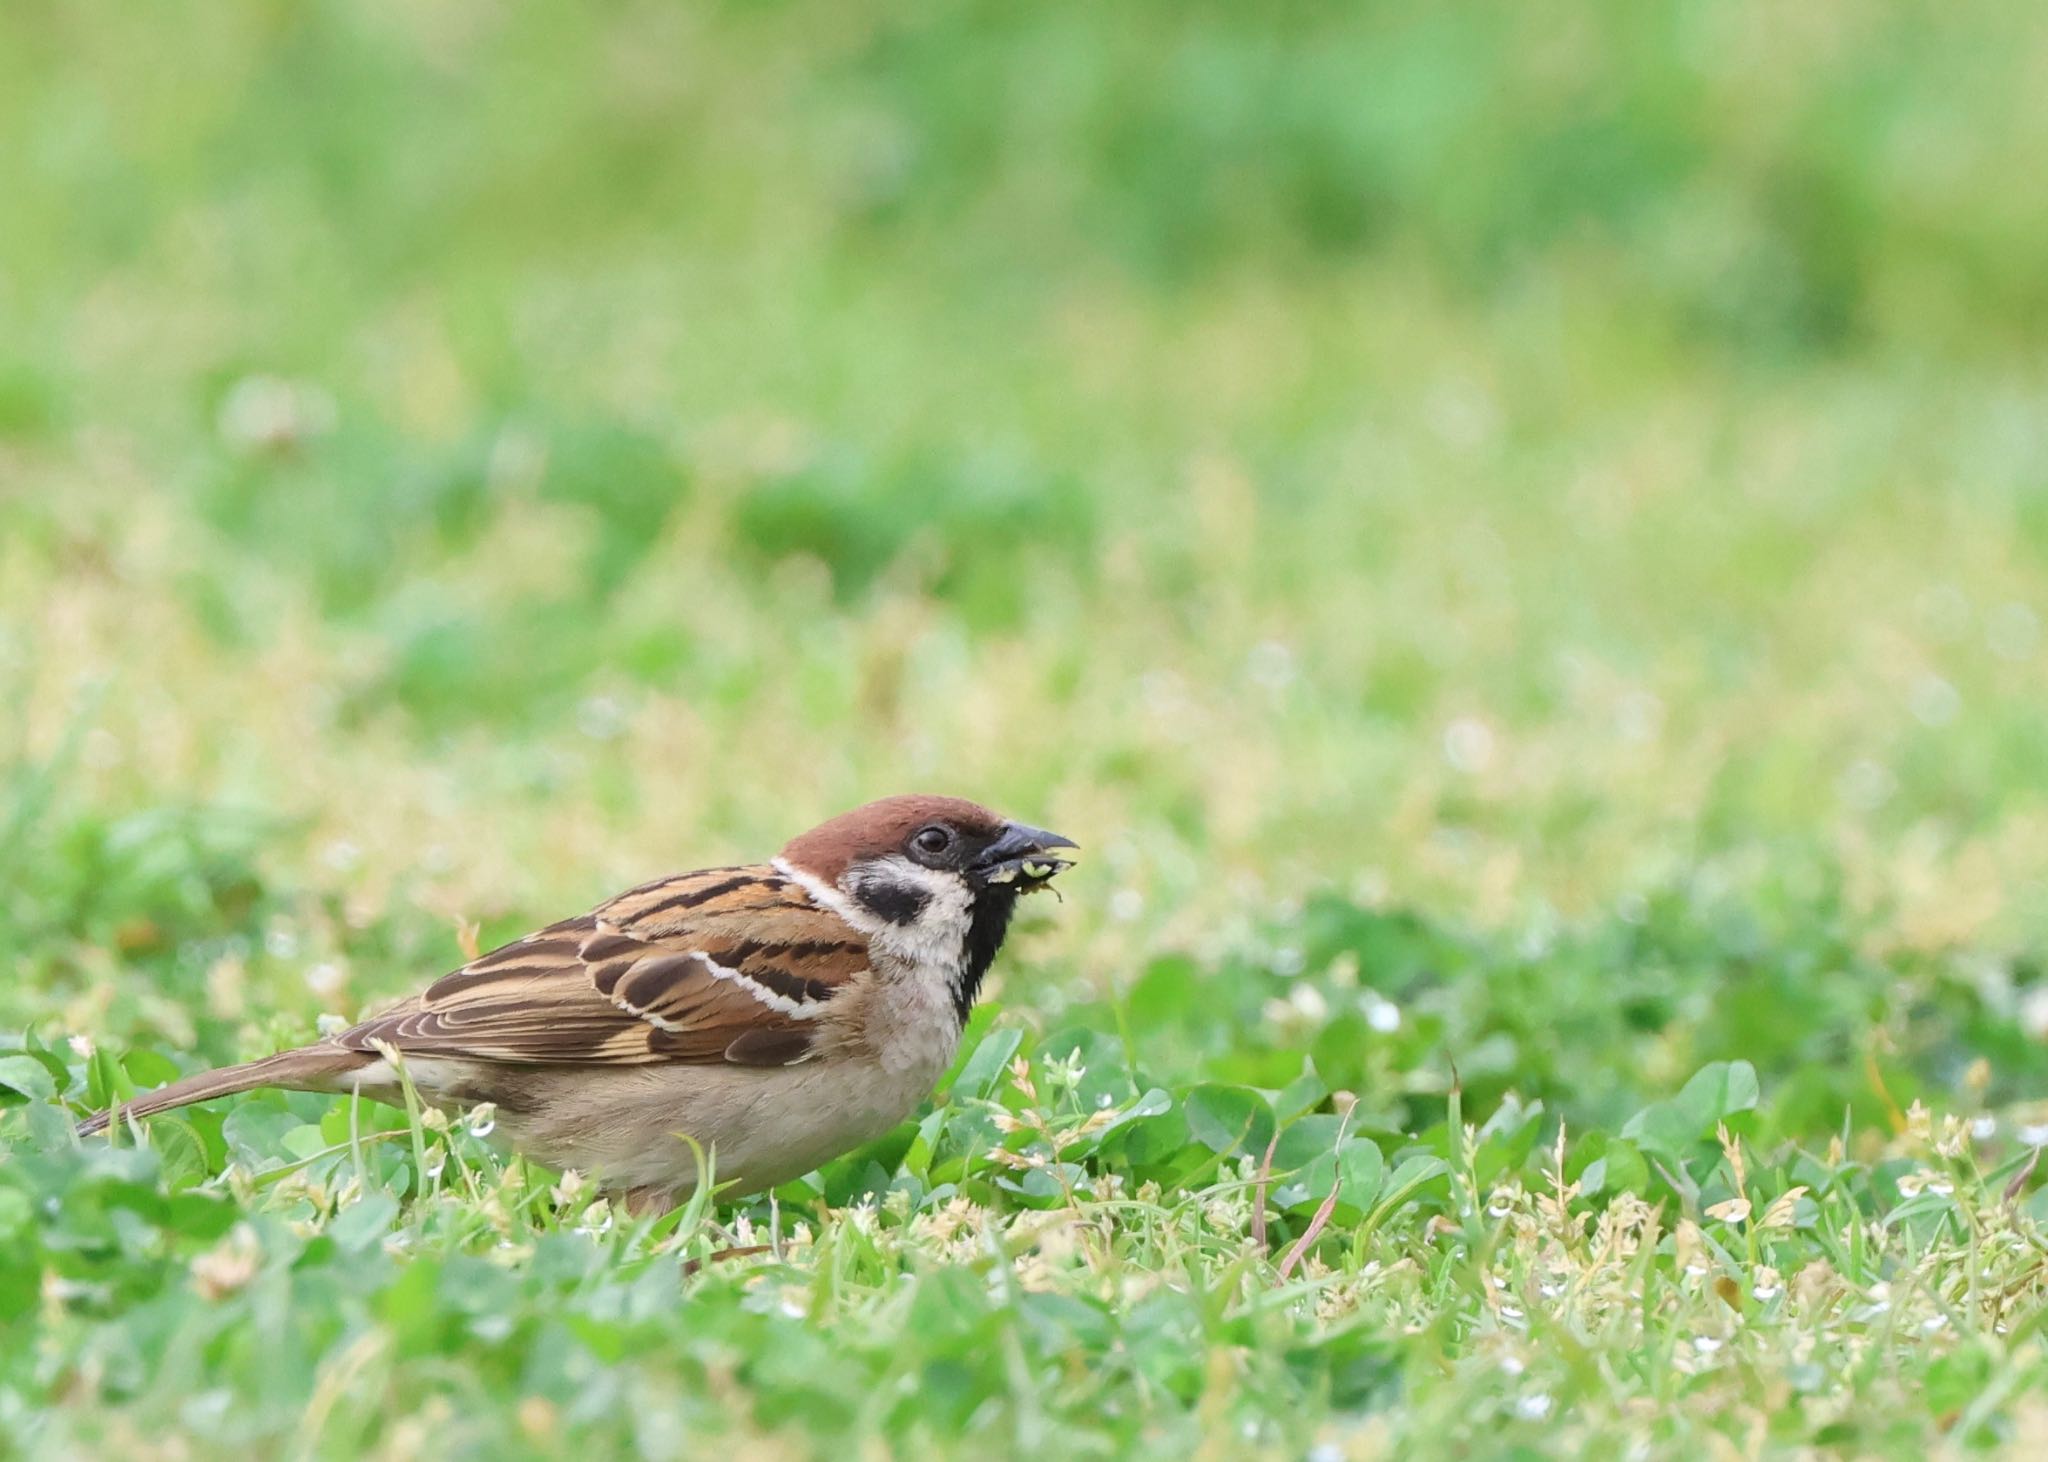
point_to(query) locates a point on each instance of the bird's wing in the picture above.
(725, 964)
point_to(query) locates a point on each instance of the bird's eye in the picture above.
(933, 840)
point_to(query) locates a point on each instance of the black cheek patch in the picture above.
(899, 903)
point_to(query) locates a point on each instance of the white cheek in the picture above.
(936, 939)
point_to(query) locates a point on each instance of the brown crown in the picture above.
(879, 828)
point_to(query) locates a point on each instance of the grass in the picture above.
(1514, 540)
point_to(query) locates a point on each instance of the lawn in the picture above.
(1516, 538)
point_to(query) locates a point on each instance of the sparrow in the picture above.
(779, 1014)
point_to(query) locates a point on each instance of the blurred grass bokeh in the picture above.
(569, 441)
(1564, 478)
(1513, 467)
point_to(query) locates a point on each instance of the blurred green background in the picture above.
(1505, 463)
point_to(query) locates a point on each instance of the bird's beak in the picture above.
(1019, 855)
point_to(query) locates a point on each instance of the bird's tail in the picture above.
(309, 1068)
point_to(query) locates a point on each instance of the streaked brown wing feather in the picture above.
(729, 964)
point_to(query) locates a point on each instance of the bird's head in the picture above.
(939, 875)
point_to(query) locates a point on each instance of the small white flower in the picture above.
(1270, 665)
(1533, 1408)
(1934, 701)
(1865, 784)
(2033, 1012)
(1639, 717)
(228, 1265)
(1308, 1001)
(341, 855)
(601, 718)
(1468, 744)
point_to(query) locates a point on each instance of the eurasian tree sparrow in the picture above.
(778, 1013)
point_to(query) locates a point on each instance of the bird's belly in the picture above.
(628, 1128)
